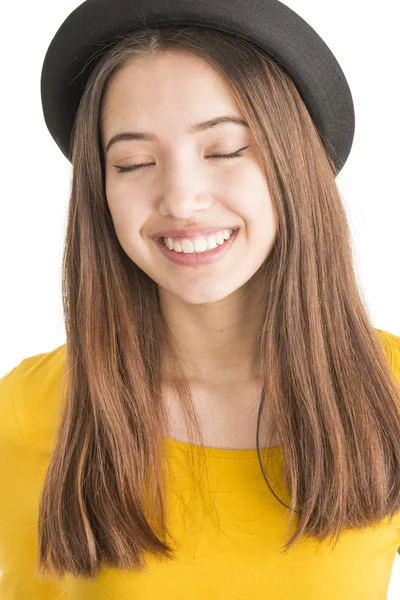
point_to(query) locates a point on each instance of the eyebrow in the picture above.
(150, 137)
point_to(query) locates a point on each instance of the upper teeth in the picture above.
(199, 244)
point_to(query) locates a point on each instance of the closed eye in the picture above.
(236, 154)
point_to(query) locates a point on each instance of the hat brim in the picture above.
(272, 26)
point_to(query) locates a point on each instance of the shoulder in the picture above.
(29, 399)
(391, 345)
(30, 393)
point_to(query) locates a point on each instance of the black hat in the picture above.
(272, 26)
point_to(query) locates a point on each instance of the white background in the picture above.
(36, 177)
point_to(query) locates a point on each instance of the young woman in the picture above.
(223, 408)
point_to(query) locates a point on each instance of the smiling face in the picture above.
(182, 186)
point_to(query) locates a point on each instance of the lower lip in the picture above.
(202, 258)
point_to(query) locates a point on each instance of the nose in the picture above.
(184, 193)
(183, 205)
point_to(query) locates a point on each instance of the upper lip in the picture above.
(190, 232)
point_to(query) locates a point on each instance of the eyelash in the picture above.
(237, 154)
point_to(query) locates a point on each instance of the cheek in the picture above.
(128, 212)
(254, 196)
(261, 214)
(267, 226)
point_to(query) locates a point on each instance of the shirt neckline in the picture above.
(220, 453)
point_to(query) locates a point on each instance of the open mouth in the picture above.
(161, 240)
(197, 258)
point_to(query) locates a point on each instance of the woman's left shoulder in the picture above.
(392, 346)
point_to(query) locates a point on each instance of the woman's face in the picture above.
(183, 187)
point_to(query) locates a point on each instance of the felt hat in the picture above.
(273, 27)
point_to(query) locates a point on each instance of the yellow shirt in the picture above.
(235, 556)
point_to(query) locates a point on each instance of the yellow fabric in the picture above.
(231, 553)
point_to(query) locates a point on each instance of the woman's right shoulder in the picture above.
(28, 410)
(29, 399)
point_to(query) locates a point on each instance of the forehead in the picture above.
(173, 83)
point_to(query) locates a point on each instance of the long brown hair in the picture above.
(326, 377)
